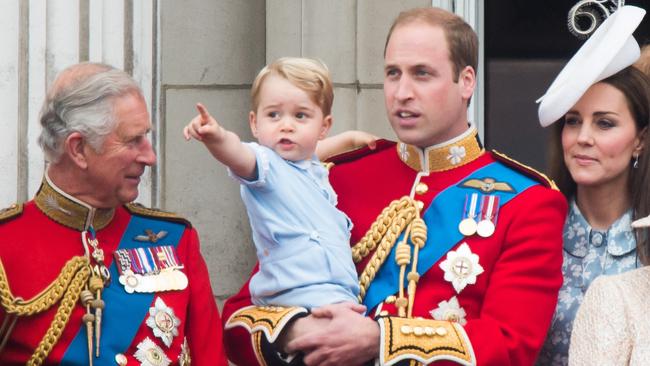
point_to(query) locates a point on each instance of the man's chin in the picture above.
(128, 197)
(412, 137)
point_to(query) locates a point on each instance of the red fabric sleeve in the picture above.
(203, 325)
(237, 340)
(522, 293)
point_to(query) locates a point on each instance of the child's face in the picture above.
(287, 120)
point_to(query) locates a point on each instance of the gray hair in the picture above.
(81, 100)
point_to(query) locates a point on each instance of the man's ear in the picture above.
(325, 129)
(252, 121)
(467, 82)
(75, 147)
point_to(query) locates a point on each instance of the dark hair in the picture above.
(635, 86)
(461, 38)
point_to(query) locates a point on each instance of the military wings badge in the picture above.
(487, 185)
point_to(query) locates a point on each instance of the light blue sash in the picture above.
(442, 218)
(124, 313)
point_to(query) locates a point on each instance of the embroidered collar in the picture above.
(444, 156)
(69, 211)
(579, 235)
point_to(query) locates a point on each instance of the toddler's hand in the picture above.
(361, 139)
(203, 126)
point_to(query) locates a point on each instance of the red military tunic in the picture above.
(39, 237)
(507, 310)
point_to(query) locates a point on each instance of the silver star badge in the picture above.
(149, 354)
(163, 322)
(461, 267)
(450, 311)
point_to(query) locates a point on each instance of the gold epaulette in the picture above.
(423, 340)
(527, 170)
(140, 210)
(10, 212)
(269, 320)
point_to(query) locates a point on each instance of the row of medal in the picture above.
(152, 269)
(479, 215)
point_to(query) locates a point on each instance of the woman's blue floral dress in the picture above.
(588, 253)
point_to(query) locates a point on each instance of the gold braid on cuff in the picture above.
(423, 340)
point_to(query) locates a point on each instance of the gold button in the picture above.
(420, 204)
(383, 313)
(390, 299)
(421, 188)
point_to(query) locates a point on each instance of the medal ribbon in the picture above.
(148, 260)
(488, 209)
(441, 218)
(124, 313)
(470, 201)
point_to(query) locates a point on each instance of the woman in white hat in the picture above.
(612, 326)
(603, 171)
(600, 162)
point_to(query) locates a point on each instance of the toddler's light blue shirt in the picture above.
(301, 238)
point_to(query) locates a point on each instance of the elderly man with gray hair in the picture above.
(86, 276)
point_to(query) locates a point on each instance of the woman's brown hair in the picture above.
(635, 85)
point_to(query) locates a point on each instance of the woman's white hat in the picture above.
(609, 50)
(642, 222)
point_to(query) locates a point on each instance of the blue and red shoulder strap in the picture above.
(124, 313)
(442, 218)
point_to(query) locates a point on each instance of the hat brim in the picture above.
(640, 223)
(609, 50)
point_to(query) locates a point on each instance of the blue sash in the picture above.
(124, 312)
(442, 218)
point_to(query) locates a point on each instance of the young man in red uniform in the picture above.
(458, 249)
(87, 277)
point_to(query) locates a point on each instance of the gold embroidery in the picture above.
(268, 319)
(256, 338)
(444, 156)
(140, 210)
(487, 185)
(11, 212)
(69, 211)
(423, 340)
(530, 171)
